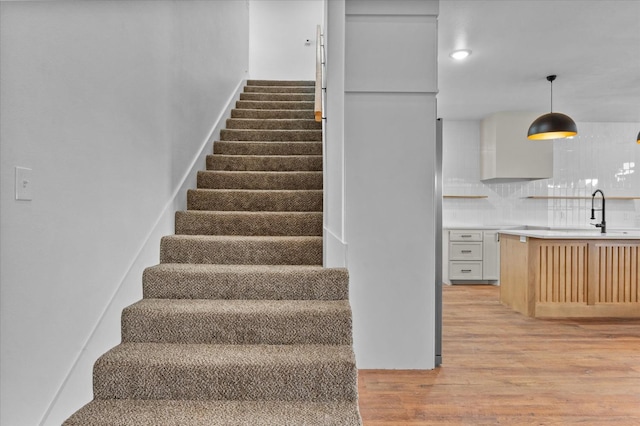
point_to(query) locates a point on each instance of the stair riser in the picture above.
(215, 413)
(297, 105)
(278, 97)
(199, 283)
(205, 223)
(277, 124)
(291, 163)
(329, 381)
(273, 114)
(267, 148)
(270, 328)
(304, 201)
(302, 251)
(279, 89)
(259, 180)
(271, 135)
(307, 83)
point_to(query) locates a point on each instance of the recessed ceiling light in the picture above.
(460, 54)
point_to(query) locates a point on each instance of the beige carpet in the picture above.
(240, 324)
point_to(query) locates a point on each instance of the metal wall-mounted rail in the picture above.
(317, 109)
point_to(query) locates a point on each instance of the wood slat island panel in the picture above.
(615, 277)
(562, 273)
(570, 278)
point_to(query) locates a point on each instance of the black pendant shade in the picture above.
(638, 137)
(554, 125)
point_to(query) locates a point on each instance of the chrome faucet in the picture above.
(603, 224)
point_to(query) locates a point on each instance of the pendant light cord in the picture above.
(550, 79)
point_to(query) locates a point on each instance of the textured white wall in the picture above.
(603, 155)
(279, 29)
(110, 103)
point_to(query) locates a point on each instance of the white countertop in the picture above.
(484, 227)
(576, 234)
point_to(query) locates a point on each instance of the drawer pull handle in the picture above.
(465, 236)
(466, 251)
(464, 271)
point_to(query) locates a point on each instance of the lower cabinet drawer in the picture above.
(456, 235)
(465, 251)
(465, 270)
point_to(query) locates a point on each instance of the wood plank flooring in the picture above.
(501, 367)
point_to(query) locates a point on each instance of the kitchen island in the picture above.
(572, 273)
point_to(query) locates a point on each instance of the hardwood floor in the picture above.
(501, 367)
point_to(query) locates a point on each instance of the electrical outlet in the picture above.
(24, 184)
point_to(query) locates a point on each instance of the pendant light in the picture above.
(553, 125)
(638, 137)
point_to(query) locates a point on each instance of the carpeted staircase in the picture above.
(240, 324)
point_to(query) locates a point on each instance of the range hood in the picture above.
(506, 155)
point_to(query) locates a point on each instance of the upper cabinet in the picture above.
(507, 154)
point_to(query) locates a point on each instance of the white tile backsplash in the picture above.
(603, 156)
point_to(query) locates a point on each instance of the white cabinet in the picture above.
(507, 154)
(474, 255)
(491, 255)
(465, 270)
(465, 251)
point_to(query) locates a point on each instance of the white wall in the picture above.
(111, 104)
(279, 30)
(603, 155)
(386, 146)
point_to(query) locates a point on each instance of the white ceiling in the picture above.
(592, 45)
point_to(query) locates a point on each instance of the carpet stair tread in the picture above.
(255, 200)
(264, 135)
(293, 105)
(241, 250)
(267, 148)
(258, 179)
(273, 124)
(226, 372)
(272, 282)
(273, 114)
(135, 412)
(307, 83)
(271, 322)
(252, 96)
(202, 222)
(279, 89)
(275, 163)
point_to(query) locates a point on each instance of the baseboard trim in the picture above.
(151, 241)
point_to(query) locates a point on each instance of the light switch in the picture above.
(24, 184)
